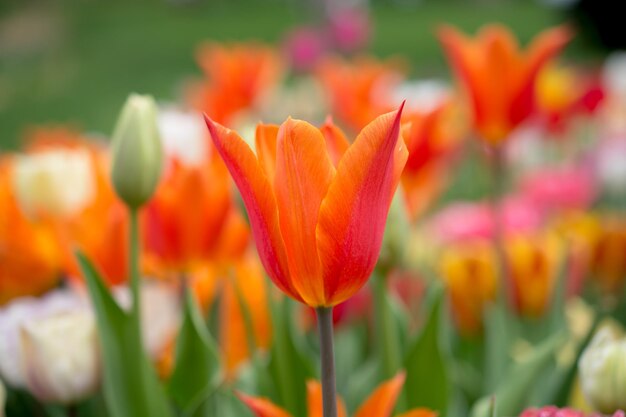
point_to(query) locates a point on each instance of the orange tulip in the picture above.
(608, 261)
(498, 77)
(534, 263)
(106, 243)
(359, 90)
(190, 217)
(238, 76)
(380, 404)
(431, 137)
(244, 288)
(470, 274)
(318, 227)
(30, 260)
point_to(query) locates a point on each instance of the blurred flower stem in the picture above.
(386, 330)
(498, 172)
(329, 390)
(133, 267)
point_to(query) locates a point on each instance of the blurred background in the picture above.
(74, 62)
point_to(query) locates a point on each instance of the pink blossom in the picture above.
(552, 411)
(304, 47)
(467, 221)
(553, 189)
(349, 29)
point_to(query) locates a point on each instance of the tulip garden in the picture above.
(308, 230)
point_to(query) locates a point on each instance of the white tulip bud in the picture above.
(57, 182)
(61, 358)
(137, 151)
(602, 369)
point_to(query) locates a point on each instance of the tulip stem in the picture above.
(387, 333)
(329, 390)
(133, 265)
(499, 230)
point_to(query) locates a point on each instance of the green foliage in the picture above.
(427, 378)
(513, 391)
(131, 387)
(197, 368)
(289, 366)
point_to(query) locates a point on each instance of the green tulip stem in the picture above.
(329, 390)
(498, 173)
(386, 330)
(133, 266)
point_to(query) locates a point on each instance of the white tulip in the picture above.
(61, 357)
(21, 311)
(57, 182)
(602, 369)
(184, 135)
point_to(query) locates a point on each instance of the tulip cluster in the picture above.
(184, 267)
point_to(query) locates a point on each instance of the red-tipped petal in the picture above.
(336, 141)
(303, 174)
(382, 402)
(353, 214)
(259, 200)
(262, 407)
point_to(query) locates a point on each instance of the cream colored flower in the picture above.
(57, 182)
(602, 369)
(61, 357)
(184, 135)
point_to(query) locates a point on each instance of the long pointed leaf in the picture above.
(197, 364)
(131, 387)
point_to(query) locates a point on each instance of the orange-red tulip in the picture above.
(190, 216)
(533, 263)
(562, 94)
(237, 77)
(498, 76)
(470, 273)
(30, 260)
(359, 90)
(608, 260)
(105, 243)
(318, 227)
(380, 404)
(431, 136)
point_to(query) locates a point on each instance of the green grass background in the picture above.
(75, 61)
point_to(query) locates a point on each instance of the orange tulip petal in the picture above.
(315, 401)
(336, 141)
(382, 402)
(353, 214)
(262, 407)
(303, 174)
(543, 48)
(265, 142)
(259, 200)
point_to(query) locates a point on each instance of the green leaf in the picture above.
(427, 380)
(197, 368)
(289, 367)
(131, 387)
(500, 332)
(513, 392)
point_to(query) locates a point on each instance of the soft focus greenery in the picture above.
(75, 62)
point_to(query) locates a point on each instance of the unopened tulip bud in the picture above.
(137, 151)
(602, 369)
(61, 357)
